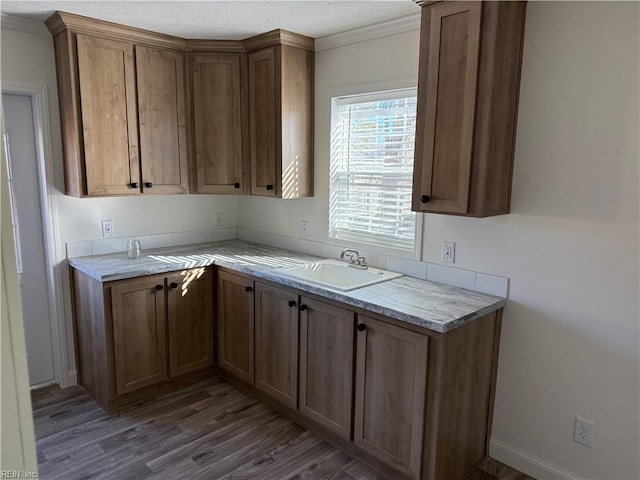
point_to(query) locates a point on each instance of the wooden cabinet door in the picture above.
(235, 326)
(265, 128)
(190, 320)
(162, 120)
(106, 76)
(139, 333)
(450, 40)
(277, 343)
(391, 371)
(219, 119)
(326, 365)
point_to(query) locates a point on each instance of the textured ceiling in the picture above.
(230, 19)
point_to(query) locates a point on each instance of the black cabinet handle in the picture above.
(303, 307)
(148, 184)
(292, 303)
(248, 289)
(159, 287)
(134, 185)
(236, 185)
(425, 198)
(269, 187)
(361, 327)
(174, 285)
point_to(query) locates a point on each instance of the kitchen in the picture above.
(557, 358)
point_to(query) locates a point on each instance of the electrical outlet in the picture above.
(304, 228)
(448, 252)
(107, 228)
(218, 219)
(584, 431)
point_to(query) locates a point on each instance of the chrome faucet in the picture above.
(355, 259)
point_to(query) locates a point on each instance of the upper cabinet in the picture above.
(162, 120)
(123, 120)
(281, 98)
(468, 88)
(143, 112)
(219, 97)
(104, 121)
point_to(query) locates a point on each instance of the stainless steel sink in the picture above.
(338, 275)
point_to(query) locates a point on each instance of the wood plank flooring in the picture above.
(211, 430)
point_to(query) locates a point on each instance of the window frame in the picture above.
(381, 89)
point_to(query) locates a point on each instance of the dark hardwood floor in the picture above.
(211, 430)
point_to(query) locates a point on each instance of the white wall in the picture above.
(570, 246)
(29, 58)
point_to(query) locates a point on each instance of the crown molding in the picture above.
(22, 24)
(370, 32)
(215, 46)
(279, 37)
(61, 21)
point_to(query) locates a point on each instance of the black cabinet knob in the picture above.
(361, 327)
(425, 198)
(248, 289)
(269, 187)
(159, 287)
(134, 185)
(148, 184)
(174, 285)
(303, 307)
(236, 185)
(292, 303)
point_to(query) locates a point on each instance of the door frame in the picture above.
(38, 93)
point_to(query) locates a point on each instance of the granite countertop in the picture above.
(427, 304)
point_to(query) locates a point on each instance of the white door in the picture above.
(25, 198)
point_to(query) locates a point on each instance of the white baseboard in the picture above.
(69, 380)
(41, 385)
(526, 463)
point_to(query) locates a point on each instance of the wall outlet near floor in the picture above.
(448, 252)
(218, 220)
(304, 228)
(584, 431)
(107, 228)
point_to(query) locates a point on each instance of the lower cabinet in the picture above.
(190, 320)
(361, 379)
(326, 365)
(391, 380)
(276, 346)
(139, 333)
(135, 337)
(235, 326)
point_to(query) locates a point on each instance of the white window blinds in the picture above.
(371, 169)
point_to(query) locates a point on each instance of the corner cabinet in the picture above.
(123, 121)
(281, 99)
(142, 112)
(236, 326)
(277, 343)
(468, 89)
(219, 81)
(140, 337)
(190, 320)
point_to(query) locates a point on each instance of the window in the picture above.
(371, 170)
